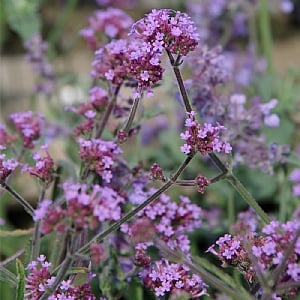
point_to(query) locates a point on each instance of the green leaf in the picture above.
(8, 276)
(21, 280)
(215, 270)
(15, 233)
(22, 17)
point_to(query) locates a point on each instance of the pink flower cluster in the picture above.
(202, 182)
(295, 177)
(44, 166)
(28, 125)
(170, 221)
(99, 156)
(167, 29)
(112, 23)
(86, 207)
(6, 165)
(39, 279)
(138, 58)
(122, 60)
(204, 139)
(156, 172)
(167, 278)
(268, 248)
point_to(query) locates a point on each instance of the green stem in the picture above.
(99, 237)
(179, 79)
(222, 167)
(218, 163)
(248, 197)
(283, 196)
(131, 115)
(28, 208)
(230, 208)
(107, 113)
(37, 234)
(265, 33)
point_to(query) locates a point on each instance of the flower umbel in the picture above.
(205, 139)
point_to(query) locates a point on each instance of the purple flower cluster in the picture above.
(36, 50)
(39, 280)
(99, 156)
(122, 60)
(269, 249)
(113, 23)
(167, 29)
(138, 58)
(86, 207)
(295, 177)
(204, 139)
(202, 182)
(7, 166)
(156, 172)
(167, 278)
(44, 166)
(171, 221)
(28, 124)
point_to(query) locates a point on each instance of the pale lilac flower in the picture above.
(28, 124)
(41, 210)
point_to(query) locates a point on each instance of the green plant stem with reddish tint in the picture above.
(221, 166)
(131, 115)
(35, 245)
(99, 237)
(27, 207)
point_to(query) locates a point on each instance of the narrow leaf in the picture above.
(15, 233)
(8, 276)
(21, 280)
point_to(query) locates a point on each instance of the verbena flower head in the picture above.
(39, 280)
(166, 278)
(28, 124)
(269, 248)
(171, 221)
(122, 60)
(7, 166)
(99, 156)
(98, 98)
(205, 139)
(202, 182)
(85, 207)
(167, 29)
(104, 25)
(44, 166)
